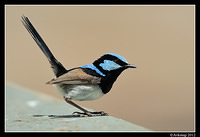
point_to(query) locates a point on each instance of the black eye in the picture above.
(121, 63)
(116, 61)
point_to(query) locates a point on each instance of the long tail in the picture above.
(57, 67)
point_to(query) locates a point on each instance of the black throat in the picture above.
(108, 81)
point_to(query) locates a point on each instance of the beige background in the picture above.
(159, 40)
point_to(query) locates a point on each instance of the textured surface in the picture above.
(30, 111)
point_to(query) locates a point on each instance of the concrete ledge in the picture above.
(26, 110)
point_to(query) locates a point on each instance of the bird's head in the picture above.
(112, 63)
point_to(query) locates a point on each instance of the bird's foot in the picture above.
(90, 114)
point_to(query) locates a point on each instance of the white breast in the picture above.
(80, 92)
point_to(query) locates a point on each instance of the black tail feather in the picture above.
(57, 67)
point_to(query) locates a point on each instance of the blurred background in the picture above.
(159, 94)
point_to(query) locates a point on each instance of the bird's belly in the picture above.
(79, 92)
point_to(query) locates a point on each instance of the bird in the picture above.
(84, 83)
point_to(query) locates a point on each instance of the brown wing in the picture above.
(75, 76)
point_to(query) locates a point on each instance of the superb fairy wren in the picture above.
(88, 82)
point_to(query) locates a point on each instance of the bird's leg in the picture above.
(86, 113)
(75, 105)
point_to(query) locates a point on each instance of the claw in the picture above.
(101, 113)
(90, 114)
(80, 114)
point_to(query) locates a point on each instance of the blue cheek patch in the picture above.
(91, 66)
(109, 65)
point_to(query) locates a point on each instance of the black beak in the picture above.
(130, 66)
